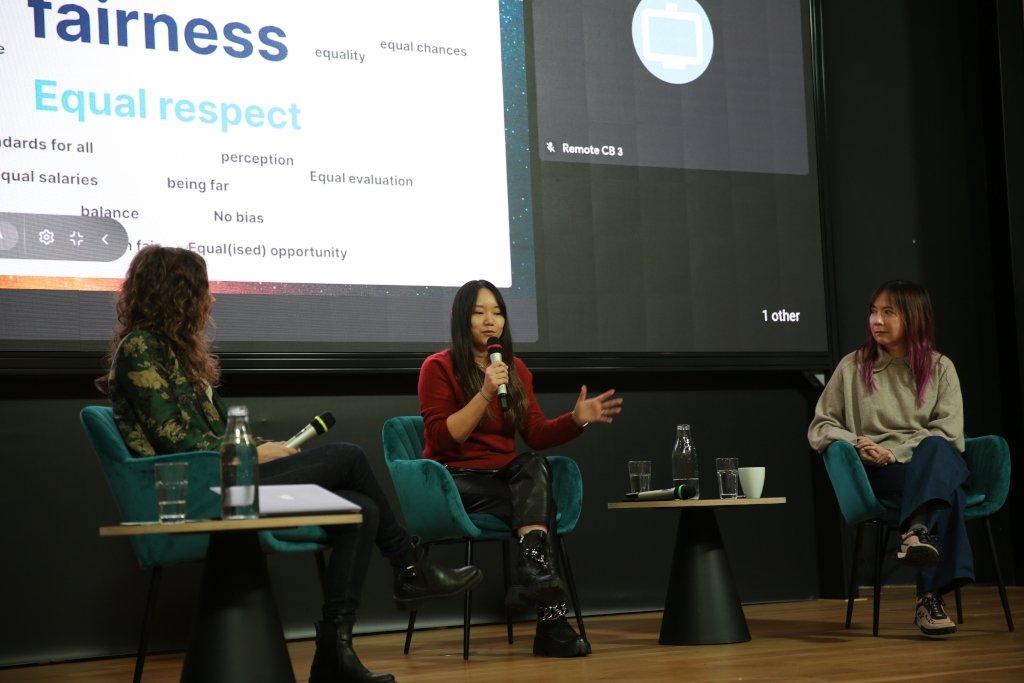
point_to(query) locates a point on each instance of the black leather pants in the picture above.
(519, 494)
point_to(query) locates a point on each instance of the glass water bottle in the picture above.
(239, 468)
(684, 461)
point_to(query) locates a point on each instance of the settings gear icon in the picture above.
(46, 237)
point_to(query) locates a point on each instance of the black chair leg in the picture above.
(408, 631)
(505, 562)
(467, 606)
(147, 621)
(999, 576)
(881, 542)
(412, 618)
(851, 590)
(959, 605)
(563, 555)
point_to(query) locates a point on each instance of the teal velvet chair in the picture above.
(131, 482)
(433, 510)
(988, 459)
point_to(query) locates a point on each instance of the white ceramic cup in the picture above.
(752, 481)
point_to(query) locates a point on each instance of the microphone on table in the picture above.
(682, 492)
(318, 425)
(494, 351)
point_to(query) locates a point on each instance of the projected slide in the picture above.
(298, 147)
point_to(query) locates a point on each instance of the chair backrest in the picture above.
(403, 438)
(131, 481)
(426, 492)
(988, 459)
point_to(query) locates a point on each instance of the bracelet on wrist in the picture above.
(481, 392)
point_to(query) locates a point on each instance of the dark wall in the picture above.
(916, 187)
(1005, 131)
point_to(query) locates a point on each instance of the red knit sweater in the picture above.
(492, 444)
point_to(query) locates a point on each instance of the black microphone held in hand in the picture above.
(318, 425)
(494, 351)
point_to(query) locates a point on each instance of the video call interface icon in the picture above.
(674, 40)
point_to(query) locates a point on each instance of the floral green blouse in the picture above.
(157, 409)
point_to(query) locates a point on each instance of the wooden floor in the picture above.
(800, 641)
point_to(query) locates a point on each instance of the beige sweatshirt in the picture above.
(889, 415)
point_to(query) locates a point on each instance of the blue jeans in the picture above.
(343, 469)
(935, 479)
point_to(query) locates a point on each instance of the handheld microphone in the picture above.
(683, 492)
(494, 351)
(318, 425)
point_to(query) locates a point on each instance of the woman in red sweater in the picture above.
(469, 432)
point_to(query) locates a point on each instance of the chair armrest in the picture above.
(135, 488)
(567, 490)
(988, 459)
(430, 501)
(856, 498)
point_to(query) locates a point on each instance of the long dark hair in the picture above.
(466, 371)
(914, 307)
(166, 292)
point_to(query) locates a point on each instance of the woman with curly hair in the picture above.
(162, 382)
(897, 400)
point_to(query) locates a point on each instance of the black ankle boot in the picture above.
(417, 579)
(539, 582)
(556, 638)
(335, 660)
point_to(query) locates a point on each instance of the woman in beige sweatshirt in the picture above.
(897, 401)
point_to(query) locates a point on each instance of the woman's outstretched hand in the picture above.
(600, 408)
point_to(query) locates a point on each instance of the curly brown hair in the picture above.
(166, 292)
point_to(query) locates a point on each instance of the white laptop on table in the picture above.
(299, 499)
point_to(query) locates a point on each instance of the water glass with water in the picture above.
(171, 479)
(639, 476)
(728, 477)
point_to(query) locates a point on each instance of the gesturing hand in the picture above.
(600, 408)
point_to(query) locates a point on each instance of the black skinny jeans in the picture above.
(343, 469)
